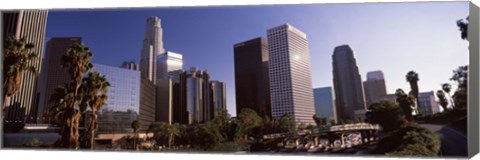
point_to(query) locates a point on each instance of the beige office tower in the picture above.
(152, 46)
(28, 24)
(289, 73)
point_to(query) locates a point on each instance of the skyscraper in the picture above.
(252, 86)
(289, 73)
(218, 100)
(169, 64)
(375, 89)
(350, 100)
(28, 24)
(325, 103)
(123, 104)
(55, 74)
(169, 67)
(194, 91)
(152, 46)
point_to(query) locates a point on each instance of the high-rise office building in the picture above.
(252, 86)
(28, 24)
(325, 103)
(169, 67)
(152, 46)
(289, 73)
(218, 98)
(55, 74)
(147, 98)
(123, 104)
(194, 91)
(375, 89)
(349, 96)
(428, 104)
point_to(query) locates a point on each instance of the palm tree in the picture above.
(135, 126)
(62, 98)
(405, 102)
(17, 59)
(173, 130)
(77, 60)
(412, 78)
(442, 99)
(96, 86)
(447, 88)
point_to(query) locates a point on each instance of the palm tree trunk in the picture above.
(451, 100)
(135, 140)
(92, 127)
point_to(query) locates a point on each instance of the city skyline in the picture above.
(198, 38)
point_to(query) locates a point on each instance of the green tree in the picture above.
(247, 120)
(95, 96)
(463, 27)
(17, 57)
(223, 121)
(412, 79)
(77, 61)
(135, 126)
(405, 102)
(442, 99)
(411, 140)
(173, 131)
(287, 123)
(385, 113)
(460, 75)
(207, 136)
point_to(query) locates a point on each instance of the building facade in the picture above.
(194, 96)
(55, 74)
(123, 104)
(151, 48)
(428, 104)
(350, 99)
(325, 103)
(252, 86)
(289, 74)
(28, 24)
(169, 67)
(218, 98)
(375, 88)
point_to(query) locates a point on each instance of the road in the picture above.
(454, 143)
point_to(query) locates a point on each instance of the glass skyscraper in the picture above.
(289, 73)
(217, 97)
(325, 103)
(349, 97)
(169, 67)
(123, 104)
(252, 86)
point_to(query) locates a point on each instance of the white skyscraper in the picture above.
(289, 72)
(152, 46)
(169, 65)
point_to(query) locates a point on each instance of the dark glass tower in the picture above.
(350, 100)
(251, 76)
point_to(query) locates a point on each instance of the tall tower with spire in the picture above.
(152, 46)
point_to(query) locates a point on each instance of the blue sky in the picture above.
(392, 37)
